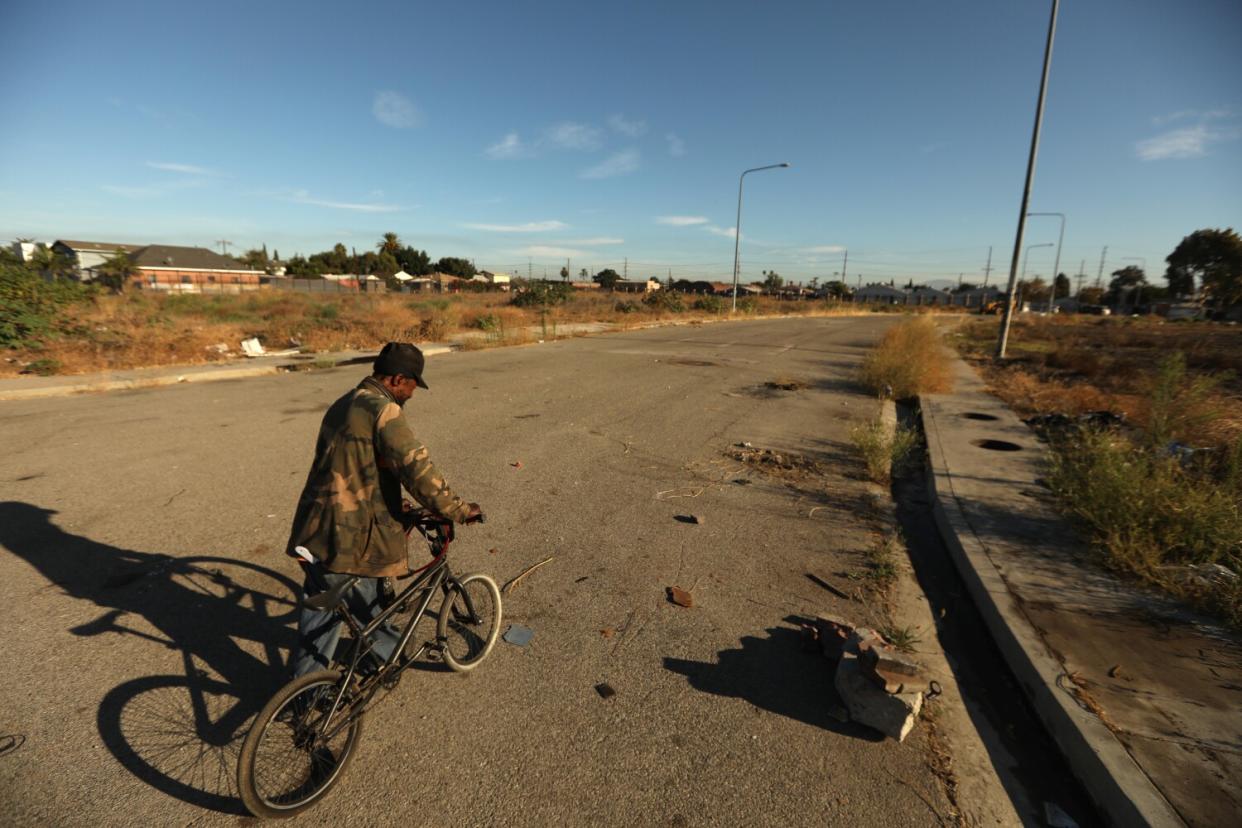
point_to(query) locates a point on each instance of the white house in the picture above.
(87, 256)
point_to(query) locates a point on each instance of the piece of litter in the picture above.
(680, 597)
(518, 636)
(516, 464)
(605, 690)
(492, 551)
(513, 583)
(271, 516)
(607, 632)
(580, 580)
(687, 519)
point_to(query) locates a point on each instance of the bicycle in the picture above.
(303, 739)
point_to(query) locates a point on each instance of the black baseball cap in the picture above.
(401, 358)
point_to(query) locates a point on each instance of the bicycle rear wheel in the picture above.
(286, 763)
(469, 621)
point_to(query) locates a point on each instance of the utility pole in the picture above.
(987, 269)
(1003, 339)
(224, 246)
(627, 269)
(528, 266)
(1081, 276)
(1099, 276)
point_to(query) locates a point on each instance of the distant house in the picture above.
(924, 295)
(25, 250)
(584, 285)
(978, 297)
(881, 295)
(500, 281)
(190, 270)
(635, 286)
(87, 256)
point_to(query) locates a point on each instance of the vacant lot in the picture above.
(77, 331)
(1159, 494)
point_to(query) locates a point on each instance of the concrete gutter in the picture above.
(1119, 787)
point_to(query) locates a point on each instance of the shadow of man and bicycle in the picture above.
(179, 733)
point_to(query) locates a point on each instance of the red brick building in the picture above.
(191, 270)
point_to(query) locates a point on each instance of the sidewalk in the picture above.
(1143, 697)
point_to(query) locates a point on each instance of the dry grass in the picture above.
(884, 450)
(145, 329)
(909, 361)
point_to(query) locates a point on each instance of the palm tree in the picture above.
(49, 262)
(116, 271)
(389, 244)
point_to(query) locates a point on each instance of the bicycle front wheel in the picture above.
(288, 762)
(469, 621)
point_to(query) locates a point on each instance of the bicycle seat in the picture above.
(329, 599)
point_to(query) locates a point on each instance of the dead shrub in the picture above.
(908, 361)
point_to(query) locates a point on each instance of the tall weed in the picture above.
(910, 360)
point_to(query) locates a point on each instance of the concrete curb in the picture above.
(1111, 777)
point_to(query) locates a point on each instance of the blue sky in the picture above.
(534, 132)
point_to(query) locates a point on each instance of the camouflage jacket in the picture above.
(348, 516)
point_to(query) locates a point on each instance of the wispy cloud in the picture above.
(528, 227)
(304, 197)
(574, 136)
(549, 251)
(510, 146)
(622, 163)
(681, 221)
(631, 129)
(676, 146)
(1193, 114)
(824, 248)
(187, 169)
(599, 241)
(730, 232)
(1185, 142)
(395, 110)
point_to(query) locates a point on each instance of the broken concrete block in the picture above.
(892, 714)
(889, 669)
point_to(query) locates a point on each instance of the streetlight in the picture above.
(1056, 267)
(737, 228)
(1029, 248)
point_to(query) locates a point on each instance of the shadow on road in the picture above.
(774, 674)
(178, 733)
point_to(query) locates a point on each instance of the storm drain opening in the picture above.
(996, 445)
(976, 415)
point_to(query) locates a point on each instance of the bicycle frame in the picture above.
(436, 576)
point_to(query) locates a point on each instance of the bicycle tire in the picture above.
(255, 769)
(465, 644)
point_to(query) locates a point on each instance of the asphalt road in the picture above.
(149, 608)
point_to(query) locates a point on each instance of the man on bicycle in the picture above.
(349, 516)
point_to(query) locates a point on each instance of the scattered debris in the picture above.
(10, 742)
(777, 463)
(680, 597)
(695, 519)
(685, 491)
(518, 636)
(607, 632)
(872, 679)
(820, 582)
(492, 551)
(510, 585)
(219, 348)
(785, 384)
(1059, 424)
(605, 690)
(580, 580)
(252, 348)
(517, 464)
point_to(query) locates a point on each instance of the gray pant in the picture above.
(319, 632)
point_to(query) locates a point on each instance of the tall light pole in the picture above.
(1056, 267)
(1003, 339)
(737, 228)
(1029, 248)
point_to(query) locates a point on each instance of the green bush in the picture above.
(44, 367)
(709, 303)
(543, 294)
(664, 300)
(32, 309)
(885, 452)
(627, 306)
(487, 322)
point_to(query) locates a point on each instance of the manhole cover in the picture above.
(975, 415)
(996, 445)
